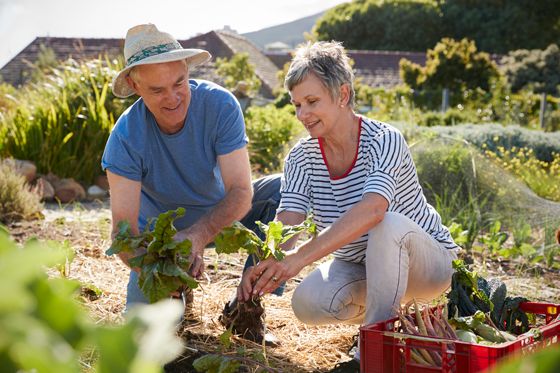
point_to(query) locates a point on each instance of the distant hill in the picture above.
(290, 33)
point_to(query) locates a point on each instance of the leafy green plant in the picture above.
(45, 329)
(231, 240)
(62, 121)
(239, 74)
(18, 201)
(164, 264)
(270, 131)
(541, 176)
(494, 239)
(236, 237)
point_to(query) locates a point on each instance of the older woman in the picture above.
(356, 176)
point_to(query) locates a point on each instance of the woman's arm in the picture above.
(353, 224)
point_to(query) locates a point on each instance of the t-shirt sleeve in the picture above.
(387, 154)
(230, 125)
(294, 188)
(120, 158)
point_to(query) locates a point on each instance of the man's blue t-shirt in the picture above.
(178, 170)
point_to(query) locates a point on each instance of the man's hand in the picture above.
(196, 257)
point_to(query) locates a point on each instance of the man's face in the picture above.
(164, 87)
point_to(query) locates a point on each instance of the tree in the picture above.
(382, 25)
(239, 75)
(538, 69)
(451, 64)
(499, 26)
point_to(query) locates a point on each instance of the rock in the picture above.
(25, 168)
(94, 192)
(68, 190)
(45, 189)
(102, 182)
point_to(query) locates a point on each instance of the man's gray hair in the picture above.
(328, 61)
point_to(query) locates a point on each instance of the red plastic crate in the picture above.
(384, 350)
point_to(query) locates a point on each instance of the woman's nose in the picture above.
(301, 114)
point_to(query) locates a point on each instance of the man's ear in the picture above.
(132, 84)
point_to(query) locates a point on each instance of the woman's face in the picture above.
(315, 108)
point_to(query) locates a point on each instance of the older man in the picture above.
(183, 143)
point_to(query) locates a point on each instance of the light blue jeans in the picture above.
(402, 262)
(266, 197)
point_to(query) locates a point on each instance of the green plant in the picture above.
(239, 74)
(163, 262)
(62, 121)
(231, 240)
(270, 131)
(542, 177)
(45, 329)
(494, 239)
(451, 64)
(237, 237)
(17, 200)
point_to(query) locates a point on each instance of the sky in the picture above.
(21, 21)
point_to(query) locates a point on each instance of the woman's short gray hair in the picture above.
(328, 61)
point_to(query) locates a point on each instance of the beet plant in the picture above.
(246, 318)
(163, 262)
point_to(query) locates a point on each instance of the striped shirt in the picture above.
(383, 165)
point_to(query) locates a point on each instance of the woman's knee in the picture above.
(345, 305)
(306, 308)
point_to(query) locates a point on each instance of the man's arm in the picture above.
(125, 205)
(236, 175)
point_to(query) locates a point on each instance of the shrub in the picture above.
(62, 121)
(431, 119)
(271, 132)
(456, 65)
(17, 200)
(493, 136)
(542, 177)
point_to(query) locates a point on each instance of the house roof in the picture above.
(374, 68)
(16, 70)
(218, 43)
(226, 44)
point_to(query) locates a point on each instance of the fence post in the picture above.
(543, 109)
(444, 100)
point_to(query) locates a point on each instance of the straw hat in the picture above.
(145, 44)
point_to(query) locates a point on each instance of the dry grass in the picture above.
(304, 348)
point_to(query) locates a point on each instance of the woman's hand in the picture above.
(266, 276)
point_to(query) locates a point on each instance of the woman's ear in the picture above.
(344, 96)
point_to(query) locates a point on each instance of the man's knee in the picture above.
(267, 188)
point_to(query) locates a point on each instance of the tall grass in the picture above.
(63, 119)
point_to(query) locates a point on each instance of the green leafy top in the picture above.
(232, 239)
(470, 280)
(163, 262)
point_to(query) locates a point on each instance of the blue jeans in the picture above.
(266, 197)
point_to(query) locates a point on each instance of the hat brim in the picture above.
(193, 57)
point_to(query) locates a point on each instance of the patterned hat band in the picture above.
(152, 51)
